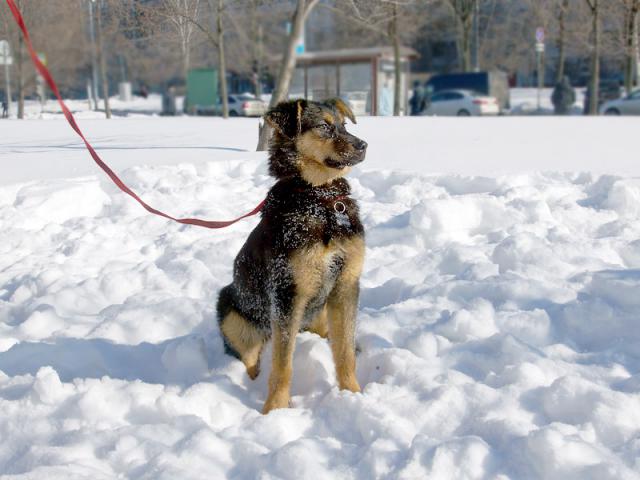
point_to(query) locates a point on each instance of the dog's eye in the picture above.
(325, 128)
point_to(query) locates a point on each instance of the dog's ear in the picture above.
(340, 106)
(286, 117)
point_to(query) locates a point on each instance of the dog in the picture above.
(300, 267)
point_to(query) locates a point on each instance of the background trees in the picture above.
(156, 42)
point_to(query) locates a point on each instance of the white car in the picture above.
(243, 105)
(629, 105)
(462, 103)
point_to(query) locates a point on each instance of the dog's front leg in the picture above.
(284, 341)
(342, 308)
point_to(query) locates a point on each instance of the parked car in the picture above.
(493, 84)
(243, 105)
(609, 89)
(629, 105)
(462, 103)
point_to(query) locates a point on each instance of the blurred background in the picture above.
(384, 57)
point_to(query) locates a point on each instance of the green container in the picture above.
(202, 91)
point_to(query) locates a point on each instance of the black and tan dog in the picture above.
(300, 267)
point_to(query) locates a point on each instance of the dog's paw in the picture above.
(350, 384)
(277, 401)
(253, 371)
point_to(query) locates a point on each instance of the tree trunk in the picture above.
(20, 72)
(287, 66)
(467, 26)
(630, 41)
(397, 68)
(94, 61)
(221, 61)
(258, 60)
(595, 58)
(7, 90)
(636, 48)
(102, 62)
(186, 59)
(561, 41)
(476, 35)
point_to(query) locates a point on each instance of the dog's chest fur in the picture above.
(303, 243)
(300, 216)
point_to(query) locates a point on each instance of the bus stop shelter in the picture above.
(362, 76)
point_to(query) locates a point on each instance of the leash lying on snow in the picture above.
(72, 121)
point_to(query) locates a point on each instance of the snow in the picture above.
(498, 322)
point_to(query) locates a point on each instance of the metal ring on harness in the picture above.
(339, 207)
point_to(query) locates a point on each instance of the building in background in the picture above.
(362, 76)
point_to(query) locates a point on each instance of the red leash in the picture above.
(72, 121)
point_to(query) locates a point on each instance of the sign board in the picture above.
(300, 44)
(300, 47)
(540, 35)
(539, 47)
(5, 53)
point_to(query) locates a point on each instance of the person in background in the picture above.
(5, 109)
(416, 103)
(563, 97)
(426, 98)
(385, 98)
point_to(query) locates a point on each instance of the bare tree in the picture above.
(67, 57)
(394, 34)
(185, 15)
(250, 39)
(631, 9)
(303, 9)
(257, 47)
(464, 12)
(221, 57)
(20, 64)
(7, 78)
(594, 7)
(562, 8)
(215, 35)
(391, 20)
(20, 57)
(102, 60)
(257, 37)
(180, 15)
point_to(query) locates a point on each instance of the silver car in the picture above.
(243, 105)
(629, 105)
(462, 103)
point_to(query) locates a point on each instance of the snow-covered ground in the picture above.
(499, 323)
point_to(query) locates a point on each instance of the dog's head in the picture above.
(310, 140)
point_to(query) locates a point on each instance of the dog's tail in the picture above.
(225, 302)
(223, 307)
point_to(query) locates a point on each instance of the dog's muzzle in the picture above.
(360, 150)
(353, 158)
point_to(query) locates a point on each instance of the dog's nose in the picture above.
(360, 145)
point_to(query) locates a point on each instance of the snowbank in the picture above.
(498, 325)
(486, 147)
